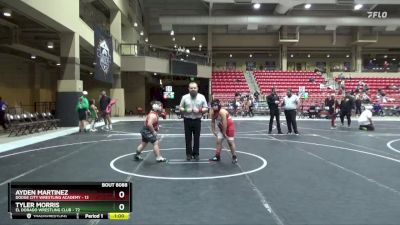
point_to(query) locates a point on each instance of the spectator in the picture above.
(365, 119)
(93, 115)
(104, 102)
(251, 106)
(82, 107)
(366, 88)
(358, 104)
(256, 95)
(365, 98)
(3, 107)
(333, 106)
(346, 105)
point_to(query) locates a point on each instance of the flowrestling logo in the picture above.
(103, 52)
(377, 15)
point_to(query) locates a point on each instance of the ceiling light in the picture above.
(135, 24)
(230, 56)
(291, 55)
(94, 63)
(91, 73)
(7, 12)
(50, 45)
(181, 59)
(307, 6)
(358, 7)
(328, 56)
(385, 56)
(374, 59)
(58, 64)
(347, 56)
(187, 56)
(155, 74)
(256, 6)
(173, 39)
(172, 33)
(200, 45)
(146, 40)
(175, 45)
(33, 56)
(141, 33)
(187, 51)
(308, 55)
(394, 59)
(193, 38)
(251, 56)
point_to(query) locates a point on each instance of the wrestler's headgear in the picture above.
(216, 102)
(156, 106)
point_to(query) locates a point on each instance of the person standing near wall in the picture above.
(3, 107)
(93, 115)
(82, 107)
(192, 106)
(104, 102)
(358, 105)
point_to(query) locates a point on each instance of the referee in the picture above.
(290, 104)
(192, 106)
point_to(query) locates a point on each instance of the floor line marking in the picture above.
(188, 162)
(261, 197)
(64, 145)
(351, 171)
(37, 168)
(127, 179)
(184, 160)
(330, 146)
(360, 146)
(389, 145)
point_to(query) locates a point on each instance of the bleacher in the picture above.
(283, 80)
(375, 83)
(224, 84)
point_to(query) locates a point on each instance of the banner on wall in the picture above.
(321, 66)
(250, 65)
(230, 65)
(270, 65)
(346, 66)
(103, 56)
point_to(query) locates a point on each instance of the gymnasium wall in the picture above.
(17, 82)
(134, 85)
(269, 40)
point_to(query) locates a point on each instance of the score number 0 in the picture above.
(121, 206)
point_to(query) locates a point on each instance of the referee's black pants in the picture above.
(192, 127)
(348, 116)
(274, 113)
(291, 120)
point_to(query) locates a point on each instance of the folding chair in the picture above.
(13, 124)
(53, 121)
